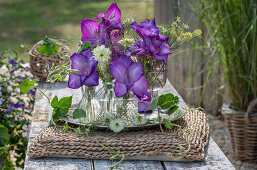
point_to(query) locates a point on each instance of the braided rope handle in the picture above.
(250, 109)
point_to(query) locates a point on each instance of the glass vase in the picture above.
(89, 104)
(106, 98)
(156, 74)
(124, 107)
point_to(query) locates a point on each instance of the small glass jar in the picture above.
(89, 104)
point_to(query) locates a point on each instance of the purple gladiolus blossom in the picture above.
(13, 62)
(87, 73)
(12, 73)
(153, 41)
(93, 33)
(112, 20)
(128, 75)
(144, 102)
(138, 49)
(100, 33)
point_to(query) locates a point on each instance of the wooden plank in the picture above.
(57, 164)
(214, 159)
(40, 121)
(128, 165)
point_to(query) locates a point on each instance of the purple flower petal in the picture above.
(75, 81)
(138, 49)
(144, 102)
(113, 13)
(80, 63)
(125, 60)
(135, 71)
(140, 87)
(119, 71)
(164, 49)
(146, 28)
(163, 38)
(100, 15)
(120, 89)
(92, 80)
(161, 58)
(89, 29)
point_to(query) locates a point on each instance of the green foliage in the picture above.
(79, 113)
(84, 46)
(61, 108)
(3, 135)
(26, 85)
(49, 46)
(167, 123)
(154, 104)
(167, 102)
(232, 26)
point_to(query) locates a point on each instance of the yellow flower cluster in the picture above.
(179, 33)
(197, 32)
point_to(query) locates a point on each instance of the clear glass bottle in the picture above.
(89, 104)
(106, 98)
(156, 74)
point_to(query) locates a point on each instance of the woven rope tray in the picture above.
(140, 145)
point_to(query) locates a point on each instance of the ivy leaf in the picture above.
(79, 113)
(167, 123)
(65, 102)
(54, 102)
(62, 112)
(154, 104)
(172, 109)
(26, 85)
(84, 46)
(49, 47)
(55, 116)
(167, 101)
(3, 135)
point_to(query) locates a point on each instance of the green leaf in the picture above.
(49, 47)
(79, 113)
(3, 135)
(26, 85)
(65, 102)
(167, 100)
(62, 112)
(55, 116)
(54, 102)
(167, 123)
(154, 103)
(172, 109)
(84, 46)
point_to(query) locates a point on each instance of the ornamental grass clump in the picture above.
(232, 26)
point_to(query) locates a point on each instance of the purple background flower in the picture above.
(13, 62)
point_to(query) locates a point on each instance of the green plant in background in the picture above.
(233, 37)
(15, 110)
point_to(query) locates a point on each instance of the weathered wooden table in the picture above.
(214, 158)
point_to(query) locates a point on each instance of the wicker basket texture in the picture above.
(242, 127)
(38, 61)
